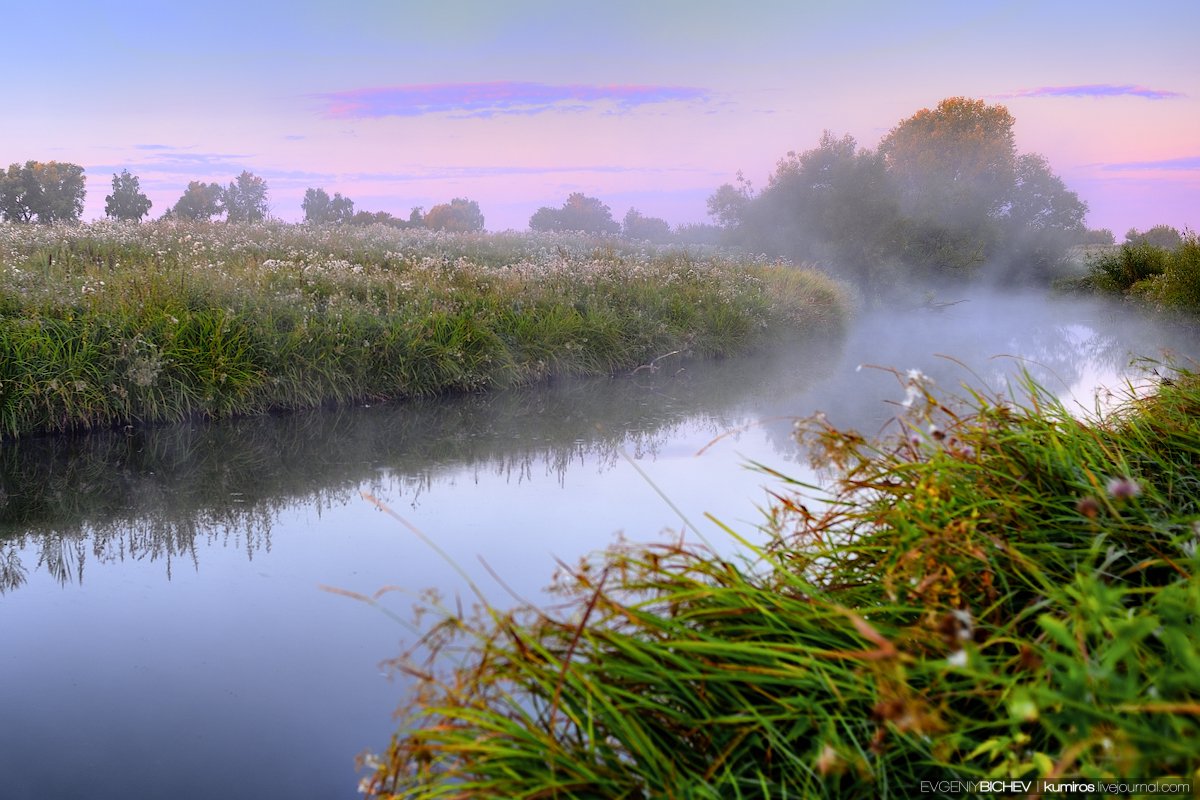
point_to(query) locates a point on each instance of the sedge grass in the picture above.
(108, 324)
(1001, 591)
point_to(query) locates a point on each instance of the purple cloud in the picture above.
(1186, 163)
(1095, 90)
(496, 97)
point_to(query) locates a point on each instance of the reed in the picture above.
(998, 591)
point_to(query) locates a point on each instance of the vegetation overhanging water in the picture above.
(999, 591)
(119, 323)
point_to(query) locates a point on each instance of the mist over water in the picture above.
(163, 624)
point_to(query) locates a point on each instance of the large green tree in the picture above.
(955, 167)
(956, 160)
(45, 191)
(834, 204)
(944, 194)
(126, 201)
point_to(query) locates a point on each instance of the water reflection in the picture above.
(167, 493)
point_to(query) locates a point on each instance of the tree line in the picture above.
(944, 195)
(53, 191)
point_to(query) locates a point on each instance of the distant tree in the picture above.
(1097, 236)
(728, 205)
(650, 229)
(459, 215)
(316, 205)
(416, 217)
(62, 191)
(320, 208)
(944, 194)
(49, 191)
(341, 209)
(245, 199)
(199, 202)
(378, 218)
(579, 213)
(19, 194)
(698, 233)
(545, 219)
(1163, 236)
(127, 201)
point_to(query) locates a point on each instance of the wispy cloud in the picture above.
(163, 166)
(1185, 164)
(484, 171)
(496, 97)
(195, 166)
(1095, 90)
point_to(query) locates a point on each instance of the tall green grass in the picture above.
(999, 591)
(119, 323)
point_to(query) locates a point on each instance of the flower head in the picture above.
(1123, 488)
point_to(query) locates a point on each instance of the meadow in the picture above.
(109, 324)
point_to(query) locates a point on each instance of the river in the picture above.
(166, 624)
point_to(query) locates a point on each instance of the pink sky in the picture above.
(646, 105)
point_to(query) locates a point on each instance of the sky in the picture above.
(647, 104)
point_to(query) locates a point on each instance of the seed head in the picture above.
(1088, 506)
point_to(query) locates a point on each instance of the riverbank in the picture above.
(1163, 279)
(112, 324)
(998, 592)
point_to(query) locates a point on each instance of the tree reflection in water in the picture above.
(166, 493)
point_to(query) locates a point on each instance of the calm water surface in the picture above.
(163, 630)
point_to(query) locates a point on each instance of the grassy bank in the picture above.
(109, 324)
(999, 591)
(1163, 278)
